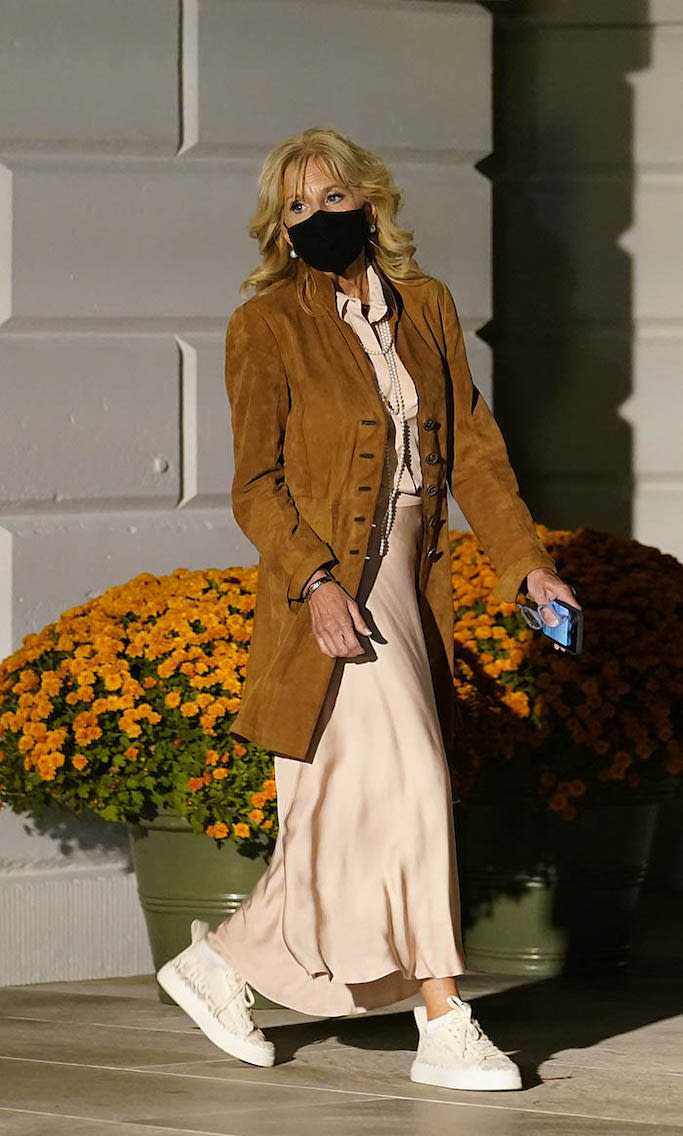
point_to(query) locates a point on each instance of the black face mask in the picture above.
(330, 241)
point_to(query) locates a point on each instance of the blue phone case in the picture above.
(569, 632)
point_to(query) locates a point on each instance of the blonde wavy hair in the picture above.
(391, 248)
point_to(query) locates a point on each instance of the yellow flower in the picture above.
(48, 764)
(28, 680)
(645, 748)
(85, 675)
(518, 701)
(112, 680)
(558, 802)
(51, 682)
(85, 728)
(129, 726)
(218, 830)
(188, 709)
(241, 829)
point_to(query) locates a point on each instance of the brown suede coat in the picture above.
(309, 429)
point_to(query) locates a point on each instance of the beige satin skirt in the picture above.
(360, 898)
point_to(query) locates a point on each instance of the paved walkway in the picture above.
(600, 1058)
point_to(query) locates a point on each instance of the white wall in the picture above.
(588, 221)
(130, 138)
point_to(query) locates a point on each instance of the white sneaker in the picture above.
(457, 1054)
(217, 999)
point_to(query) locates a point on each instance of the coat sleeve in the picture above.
(261, 501)
(482, 480)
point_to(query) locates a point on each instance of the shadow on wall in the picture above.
(71, 835)
(562, 179)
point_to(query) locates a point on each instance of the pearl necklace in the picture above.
(387, 350)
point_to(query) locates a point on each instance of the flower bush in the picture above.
(123, 706)
(562, 727)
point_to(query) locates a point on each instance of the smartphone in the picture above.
(566, 628)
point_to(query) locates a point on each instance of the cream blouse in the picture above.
(350, 309)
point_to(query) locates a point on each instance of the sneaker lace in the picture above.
(474, 1038)
(236, 994)
(243, 999)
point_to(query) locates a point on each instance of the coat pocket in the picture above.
(321, 514)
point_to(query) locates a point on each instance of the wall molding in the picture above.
(64, 921)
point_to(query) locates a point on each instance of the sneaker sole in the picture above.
(169, 979)
(425, 1074)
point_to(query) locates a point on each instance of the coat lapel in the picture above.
(421, 361)
(325, 303)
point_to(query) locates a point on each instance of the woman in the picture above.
(352, 409)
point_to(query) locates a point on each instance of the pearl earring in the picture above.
(293, 254)
(373, 227)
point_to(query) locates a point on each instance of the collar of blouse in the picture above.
(378, 304)
(328, 297)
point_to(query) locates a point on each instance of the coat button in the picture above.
(429, 423)
(433, 554)
(432, 490)
(434, 521)
(432, 458)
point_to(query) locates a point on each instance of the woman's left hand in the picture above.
(543, 585)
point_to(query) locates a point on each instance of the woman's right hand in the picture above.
(335, 618)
